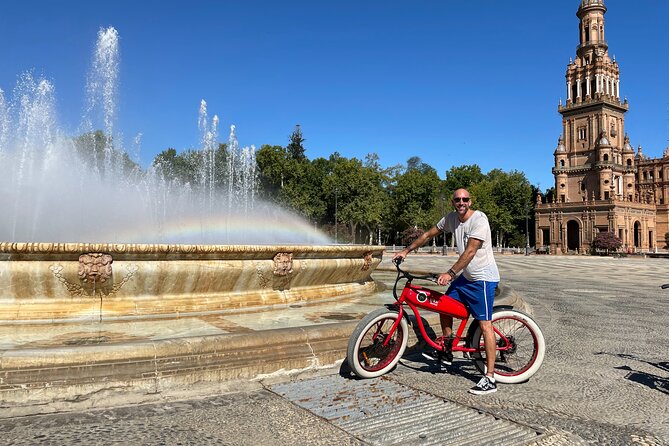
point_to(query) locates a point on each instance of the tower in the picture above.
(598, 187)
(593, 118)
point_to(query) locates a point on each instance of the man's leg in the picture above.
(490, 346)
(446, 325)
(487, 383)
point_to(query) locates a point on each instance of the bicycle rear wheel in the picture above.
(366, 355)
(525, 351)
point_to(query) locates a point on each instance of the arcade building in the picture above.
(601, 183)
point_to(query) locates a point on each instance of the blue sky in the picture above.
(450, 81)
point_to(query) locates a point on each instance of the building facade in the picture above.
(601, 183)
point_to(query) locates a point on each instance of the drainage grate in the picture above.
(382, 412)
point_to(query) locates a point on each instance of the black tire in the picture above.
(527, 352)
(366, 355)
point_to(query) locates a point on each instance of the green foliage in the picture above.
(96, 149)
(273, 166)
(607, 241)
(464, 176)
(363, 197)
(295, 148)
(666, 240)
(506, 199)
(417, 197)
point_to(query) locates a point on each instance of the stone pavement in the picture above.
(605, 379)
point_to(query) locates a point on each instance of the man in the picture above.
(475, 287)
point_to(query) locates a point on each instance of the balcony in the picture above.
(592, 43)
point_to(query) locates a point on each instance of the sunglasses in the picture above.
(459, 199)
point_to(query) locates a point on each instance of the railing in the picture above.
(452, 251)
(592, 43)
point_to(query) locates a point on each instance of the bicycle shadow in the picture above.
(649, 380)
(413, 355)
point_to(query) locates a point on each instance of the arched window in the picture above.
(629, 162)
(606, 157)
(561, 163)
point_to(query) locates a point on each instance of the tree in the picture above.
(607, 241)
(96, 149)
(357, 189)
(182, 167)
(416, 196)
(295, 148)
(505, 197)
(410, 234)
(272, 162)
(464, 176)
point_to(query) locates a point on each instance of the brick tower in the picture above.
(595, 167)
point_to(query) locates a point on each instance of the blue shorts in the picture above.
(478, 296)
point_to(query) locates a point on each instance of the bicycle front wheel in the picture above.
(367, 355)
(518, 360)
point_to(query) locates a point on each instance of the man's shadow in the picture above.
(649, 380)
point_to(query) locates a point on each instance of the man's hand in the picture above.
(401, 255)
(444, 279)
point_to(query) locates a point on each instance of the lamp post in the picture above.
(443, 214)
(527, 230)
(336, 191)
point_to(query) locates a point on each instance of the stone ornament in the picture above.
(95, 267)
(283, 264)
(368, 261)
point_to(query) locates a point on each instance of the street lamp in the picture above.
(443, 214)
(527, 230)
(336, 191)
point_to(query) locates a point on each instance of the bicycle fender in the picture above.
(501, 307)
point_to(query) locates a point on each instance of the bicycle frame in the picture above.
(416, 296)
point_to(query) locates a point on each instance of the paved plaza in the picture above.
(605, 379)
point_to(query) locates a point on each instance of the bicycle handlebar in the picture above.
(432, 277)
(665, 286)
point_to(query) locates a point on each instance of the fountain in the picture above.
(88, 237)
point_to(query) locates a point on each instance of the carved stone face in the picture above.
(283, 264)
(95, 267)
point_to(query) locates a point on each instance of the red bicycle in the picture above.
(380, 339)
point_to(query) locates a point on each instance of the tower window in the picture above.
(606, 157)
(582, 133)
(629, 162)
(561, 163)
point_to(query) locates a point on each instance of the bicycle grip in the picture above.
(665, 286)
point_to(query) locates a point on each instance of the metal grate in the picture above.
(382, 412)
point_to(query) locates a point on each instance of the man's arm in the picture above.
(473, 245)
(420, 241)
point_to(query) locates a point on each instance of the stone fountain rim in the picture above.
(37, 248)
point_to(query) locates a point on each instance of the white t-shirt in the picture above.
(482, 266)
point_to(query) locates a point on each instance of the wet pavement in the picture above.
(605, 378)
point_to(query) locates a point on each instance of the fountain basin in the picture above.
(51, 282)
